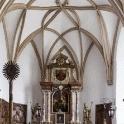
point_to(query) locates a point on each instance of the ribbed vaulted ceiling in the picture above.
(73, 26)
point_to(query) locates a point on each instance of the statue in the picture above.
(86, 115)
(37, 113)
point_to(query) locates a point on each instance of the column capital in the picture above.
(75, 91)
(46, 91)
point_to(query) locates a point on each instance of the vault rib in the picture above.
(21, 25)
(37, 55)
(118, 9)
(6, 40)
(105, 44)
(5, 8)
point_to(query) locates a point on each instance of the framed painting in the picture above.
(60, 118)
(60, 101)
(19, 113)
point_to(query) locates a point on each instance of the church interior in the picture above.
(61, 61)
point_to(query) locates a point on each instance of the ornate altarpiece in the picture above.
(61, 91)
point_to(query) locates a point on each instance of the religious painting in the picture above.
(5, 111)
(60, 118)
(0, 112)
(19, 114)
(0, 108)
(60, 101)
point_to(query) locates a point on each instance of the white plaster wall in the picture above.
(32, 22)
(111, 23)
(10, 26)
(27, 88)
(120, 79)
(21, 1)
(95, 85)
(3, 58)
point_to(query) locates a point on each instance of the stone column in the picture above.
(29, 113)
(49, 106)
(78, 108)
(73, 106)
(44, 106)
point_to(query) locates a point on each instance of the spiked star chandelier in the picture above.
(11, 70)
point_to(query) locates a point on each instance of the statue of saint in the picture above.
(86, 115)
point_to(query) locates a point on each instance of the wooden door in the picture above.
(102, 114)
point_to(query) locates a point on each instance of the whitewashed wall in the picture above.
(95, 84)
(120, 79)
(26, 89)
(3, 58)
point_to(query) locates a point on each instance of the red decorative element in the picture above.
(46, 85)
(60, 74)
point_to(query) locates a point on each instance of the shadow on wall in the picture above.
(33, 90)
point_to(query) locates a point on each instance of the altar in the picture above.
(60, 90)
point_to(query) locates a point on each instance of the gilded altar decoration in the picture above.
(61, 79)
(61, 69)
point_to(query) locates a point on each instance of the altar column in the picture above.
(77, 107)
(46, 89)
(73, 107)
(44, 106)
(49, 105)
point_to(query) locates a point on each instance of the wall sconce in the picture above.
(108, 113)
(109, 107)
(111, 111)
